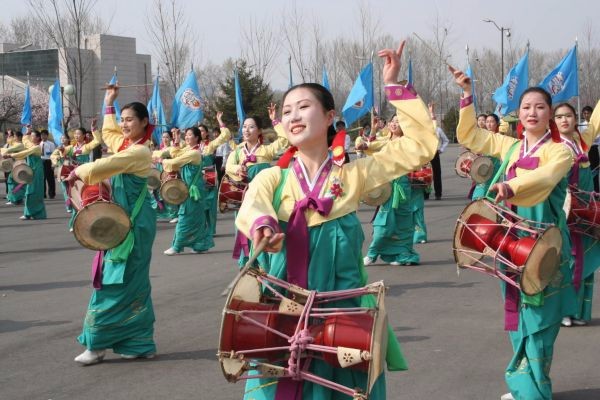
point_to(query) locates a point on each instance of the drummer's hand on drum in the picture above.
(243, 171)
(72, 177)
(502, 191)
(6, 156)
(275, 242)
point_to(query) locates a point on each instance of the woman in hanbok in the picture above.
(120, 314)
(535, 184)
(15, 192)
(163, 210)
(308, 211)
(586, 248)
(492, 124)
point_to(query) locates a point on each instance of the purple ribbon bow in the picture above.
(250, 158)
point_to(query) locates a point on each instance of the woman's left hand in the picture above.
(272, 111)
(502, 192)
(391, 65)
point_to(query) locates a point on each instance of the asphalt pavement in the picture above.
(450, 325)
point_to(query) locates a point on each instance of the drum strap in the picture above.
(122, 251)
(194, 192)
(502, 169)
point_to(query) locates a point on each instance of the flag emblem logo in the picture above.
(556, 84)
(359, 104)
(190, 100)
(512, 87)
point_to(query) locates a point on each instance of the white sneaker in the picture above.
(70, 229)
(170, 251)
(394, 263)
(566, 321)
(197, 251)
(90, 357)
(134, 356)
(507, 396)
(23, 218)
(174, 221)
(9, 203)
(578, 322)
(423, 241)
(368, 261)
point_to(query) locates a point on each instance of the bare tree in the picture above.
(171, 34)
(589, 67)
(66, 24)
(260, 43)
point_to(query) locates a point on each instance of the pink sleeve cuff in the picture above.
(265, 221)
(467, 101)
(400, 92)
(509, 190)
(275, 121)
(109, 110)
(222, 126)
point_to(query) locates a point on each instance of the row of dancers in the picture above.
(305, 208)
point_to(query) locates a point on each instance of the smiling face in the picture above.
(481, 121)
(305, 120)
(394, 127)
(534, 113)
(190, 139)
(565, 120)
(250, 131)
(132, 127)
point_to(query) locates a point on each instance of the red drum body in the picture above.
(64, 171)
(463, 164)
(583, 210)
(99, 224)
(479, 168)
(270, 333)
(524, 253)
(231, 194)
(210, 177)
(421, 178)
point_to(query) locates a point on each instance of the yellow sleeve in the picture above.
(56, 157)
(164, 153)
(534, 186)
(401, 156)
(27, 141)
(479, 140)
(134, 160)
(377, 144)
(96, 141)
(188, 157)
(223, 137)
(232, 167)
(593, 129)
(258, 200)
(32, 150)
(14, 148)
(111, 133)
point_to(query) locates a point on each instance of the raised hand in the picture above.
(391, 65)
(462, 80)
(112, 91)
(272, 111)
(94, 125)
(220, 118)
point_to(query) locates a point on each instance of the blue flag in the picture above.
(187, 107)
(410, 71)
(26, 114)
(55, 113)
(239, 105)
(515, 83)
(113, 81)
(469, 73)
(325, 79)
(360, 100)
(157, 113)
(563, 82)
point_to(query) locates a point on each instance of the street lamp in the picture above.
(502, 33)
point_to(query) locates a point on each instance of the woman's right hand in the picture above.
(272, 111)
(112, 91)
(391, 65)
(220, 118)
(462, 80)
(275, 239)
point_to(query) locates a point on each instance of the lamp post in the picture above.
(503, 31)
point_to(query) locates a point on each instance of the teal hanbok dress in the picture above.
(34, 193)
(15, 197)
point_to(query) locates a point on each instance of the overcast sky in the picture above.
(547, 24)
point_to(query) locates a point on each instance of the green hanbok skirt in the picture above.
(34, 193)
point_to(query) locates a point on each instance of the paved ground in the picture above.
(450, 326)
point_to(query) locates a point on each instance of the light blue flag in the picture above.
(113, 81)
(410, 71)
(26, 114)
(360, 100)
(187, 106)
(325, 79)
(563, 82)
(239, 105)
(515, 83)
(469, 73)
(157, 113)
(55, 113)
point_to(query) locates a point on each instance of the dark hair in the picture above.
(482, 115)
(216, 129)
(564, 104)
(257, 120)
(45, 131)
(37, 134)
(537, 89)
(139, 110)
(340, 123)
(18, 134)
(168, 133)
(324, 97)
(493, 116)
(587, 108)
(195, 131)
(204, 126)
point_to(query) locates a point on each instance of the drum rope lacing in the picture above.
(301, 339)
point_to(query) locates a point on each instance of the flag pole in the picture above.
(372, 88)
(578, 95)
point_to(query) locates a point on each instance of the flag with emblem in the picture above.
(563, 82)
(515, 83)
(187, 108)
(360, 100)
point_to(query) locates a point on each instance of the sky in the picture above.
(547, 24)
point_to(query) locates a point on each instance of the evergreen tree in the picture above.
(256, 96)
